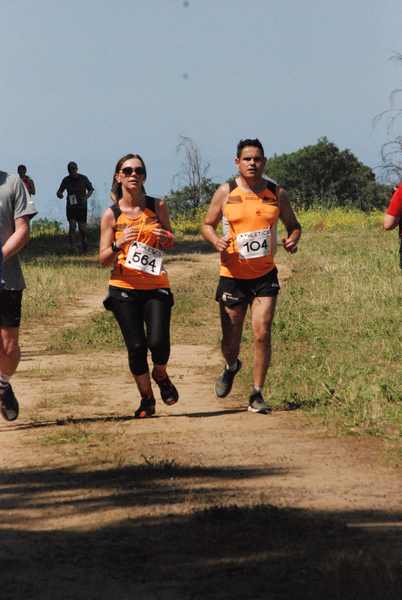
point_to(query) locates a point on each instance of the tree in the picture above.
(194, 187)
(324, 175)
(391, 151)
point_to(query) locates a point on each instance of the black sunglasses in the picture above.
(127, 171)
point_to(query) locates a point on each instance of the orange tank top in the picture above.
(139, 263)
(250, 219)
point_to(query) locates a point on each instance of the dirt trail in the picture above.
(63, 461)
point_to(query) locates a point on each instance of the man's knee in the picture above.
(262, 334)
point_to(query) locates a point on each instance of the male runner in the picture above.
(15, 214)
(250, 206)
(79, 189)
(392, 216)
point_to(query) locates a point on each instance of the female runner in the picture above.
(134, 231)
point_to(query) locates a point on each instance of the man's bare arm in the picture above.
(18, 239)
(288, 218)
(213, 217)
(390, 222)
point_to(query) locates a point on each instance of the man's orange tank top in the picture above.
(144, 224)
(245, 212)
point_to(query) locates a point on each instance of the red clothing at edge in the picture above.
(395, 205)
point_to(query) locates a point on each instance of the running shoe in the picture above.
(257, 403)
(8, 403)
(224, 383)
(169, 393)
(145, 409)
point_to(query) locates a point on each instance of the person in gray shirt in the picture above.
(16, 210)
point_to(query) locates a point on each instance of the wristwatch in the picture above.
(115, 247)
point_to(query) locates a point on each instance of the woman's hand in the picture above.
(164, 237)
(129, 234)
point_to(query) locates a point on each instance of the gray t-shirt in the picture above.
(14, 203)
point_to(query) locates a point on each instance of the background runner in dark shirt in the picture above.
(79, 189)
(28, 181)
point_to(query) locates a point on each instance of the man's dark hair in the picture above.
(72, 165)
(255, 143)
(21, 168)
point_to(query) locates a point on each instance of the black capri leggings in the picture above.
(144, 319)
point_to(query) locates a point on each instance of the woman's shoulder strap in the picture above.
(116, 211)
(150, 203)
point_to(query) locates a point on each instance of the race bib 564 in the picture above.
(142, 257)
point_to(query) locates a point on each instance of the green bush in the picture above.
(323, 175)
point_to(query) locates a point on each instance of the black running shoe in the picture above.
(257, 404)
(169, 393)
(145, 409)
(224, 383)
(8, 403)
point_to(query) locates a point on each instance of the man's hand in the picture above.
(290, 245)
(222, 244)
(60, 195)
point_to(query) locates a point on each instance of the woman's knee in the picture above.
(137, 359)
(160, 351)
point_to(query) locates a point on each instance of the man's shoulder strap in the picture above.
(232, 184)
(272, 186)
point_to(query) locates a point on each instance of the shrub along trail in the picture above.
(203, 501)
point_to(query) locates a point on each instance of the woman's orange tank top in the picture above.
(123, 276)
(250, 219)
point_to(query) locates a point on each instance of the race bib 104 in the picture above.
(254, 244)
(142, 257)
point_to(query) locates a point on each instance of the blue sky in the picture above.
(90, 80)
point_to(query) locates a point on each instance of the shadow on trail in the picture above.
(191, 246)
(57, 247)
(64, 259)
(221, 552)
(154, 482)
(38, 424)
(205, 414)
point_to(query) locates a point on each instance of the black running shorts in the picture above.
(77, 212)
(231, 291)
(10, 308)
